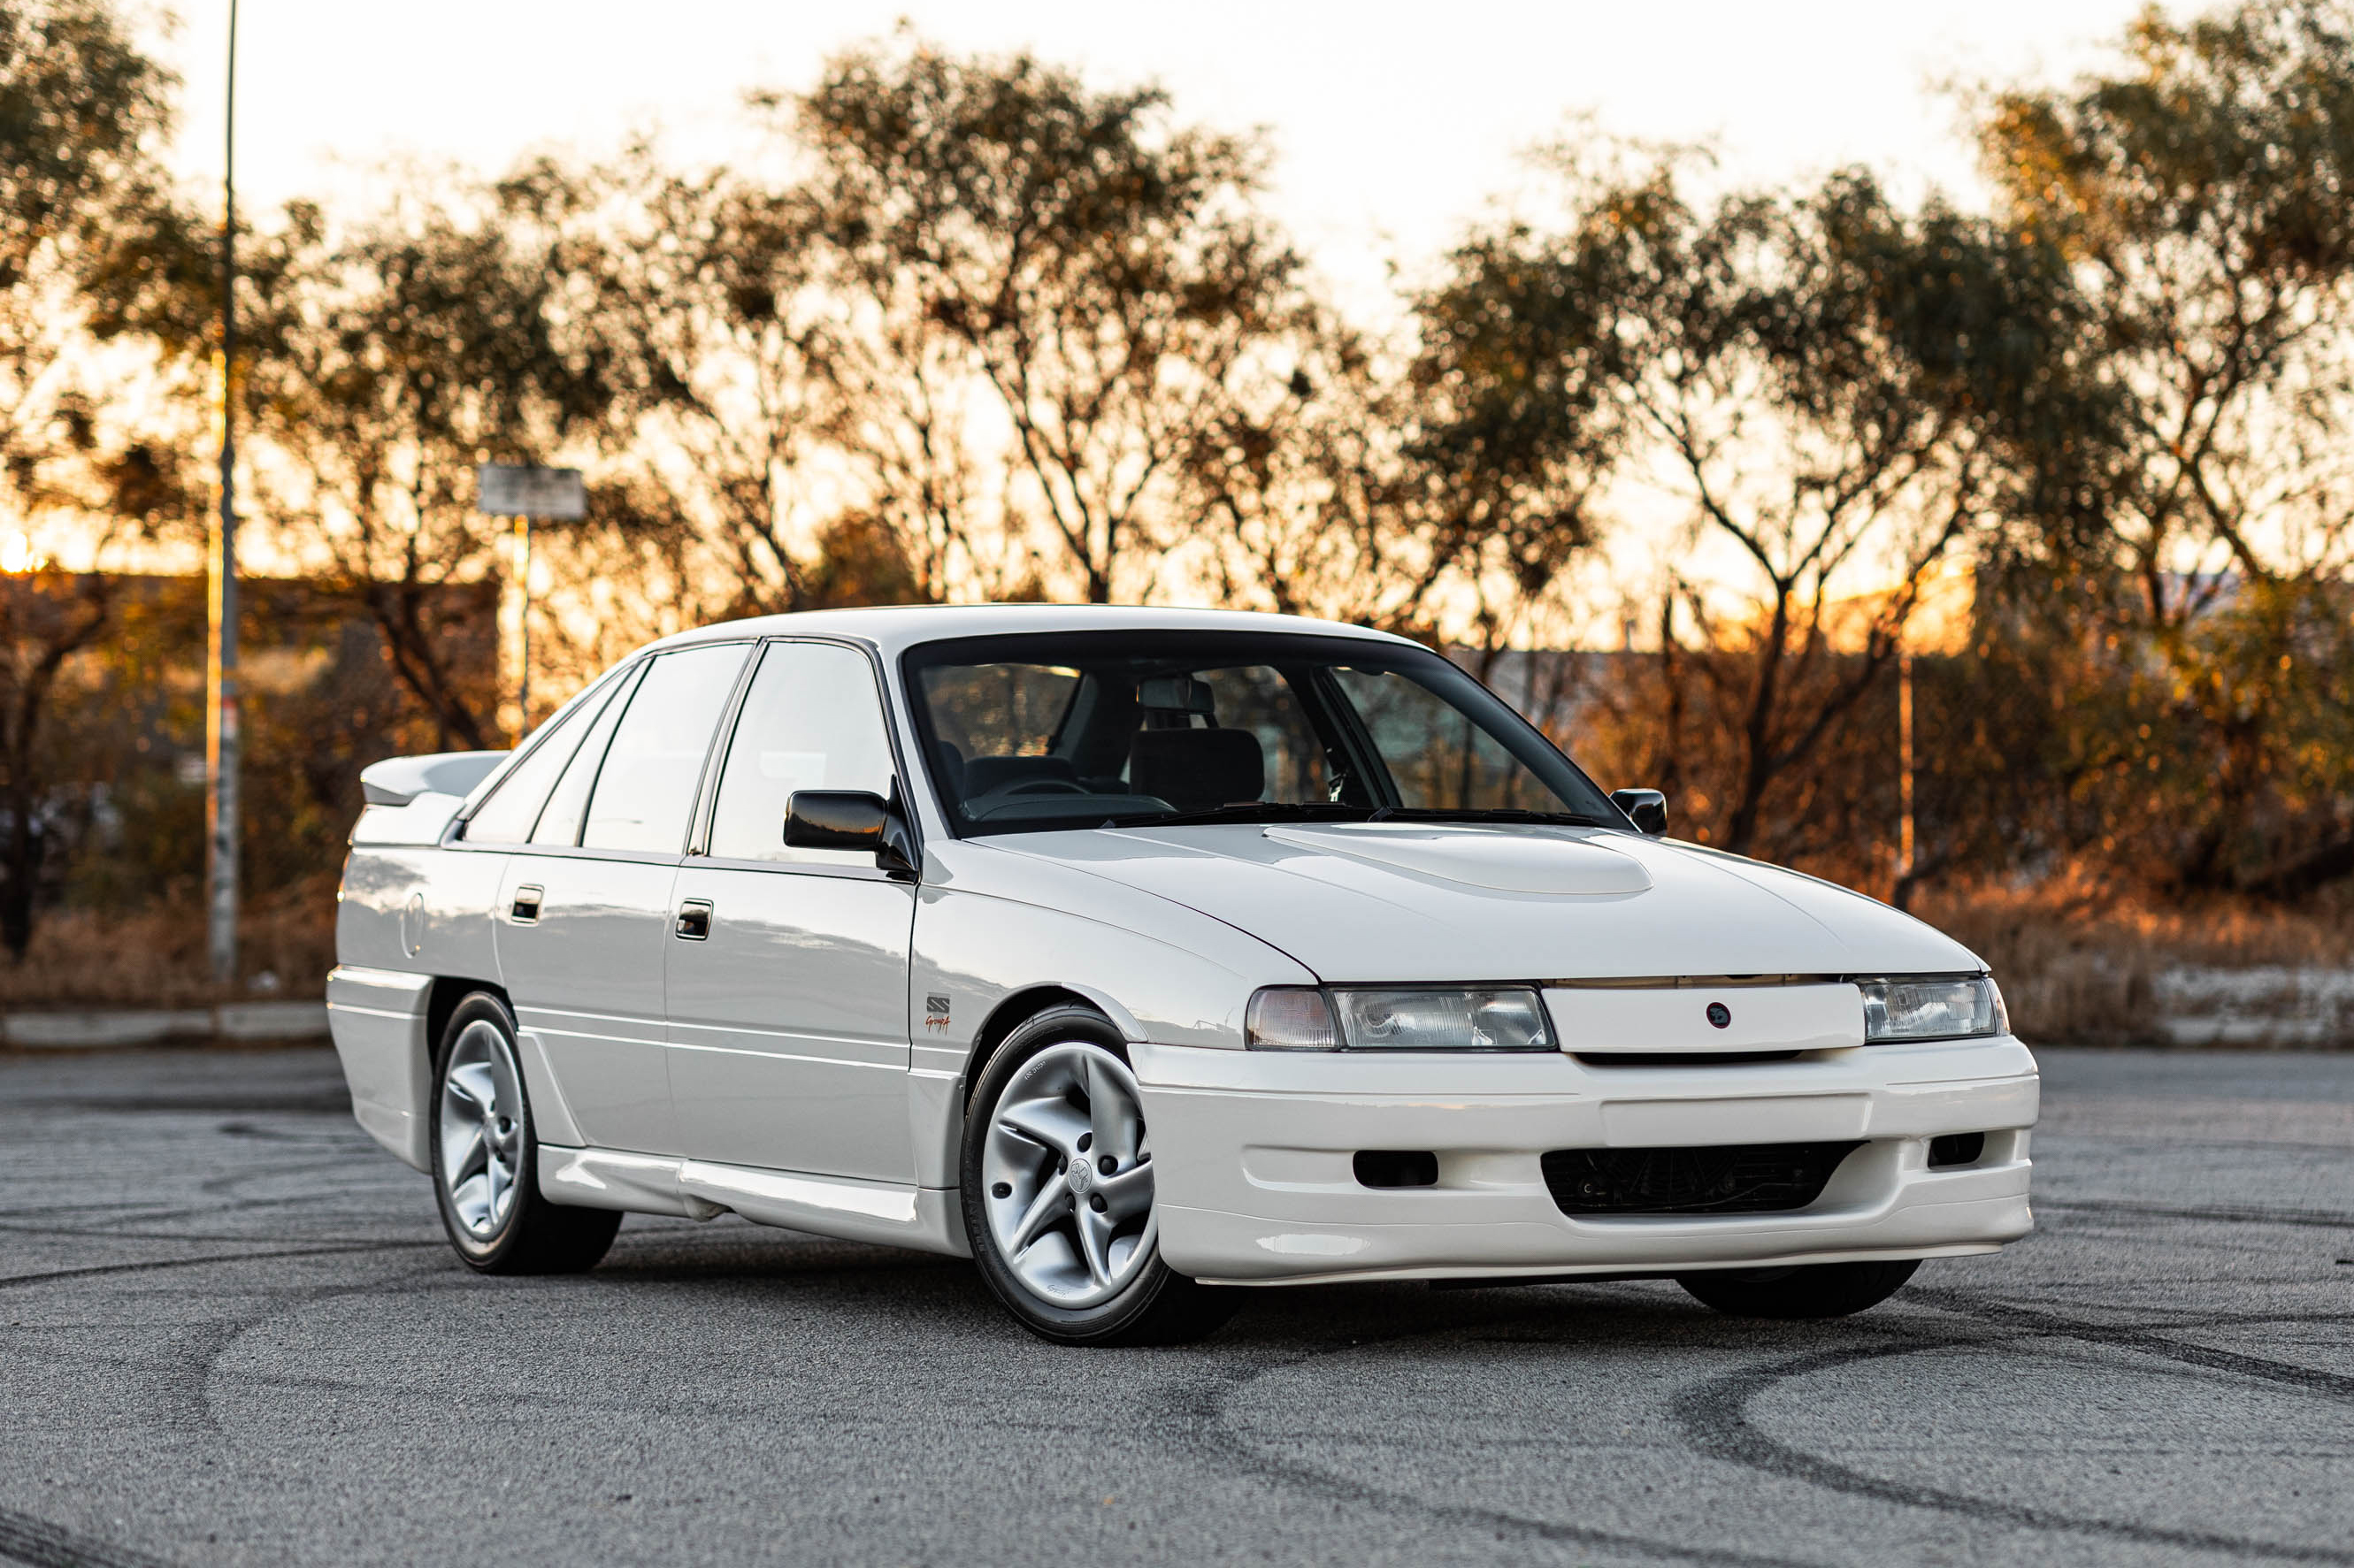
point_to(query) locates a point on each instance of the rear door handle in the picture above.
(525, 908)
(695, 919)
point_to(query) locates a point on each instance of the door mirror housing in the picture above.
(1647, 809)
(850, 819)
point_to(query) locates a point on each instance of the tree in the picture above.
(390, 361)
(1017, 261)
(81, 110)
(1407, 488)
(2199, 194)
(742, 401)
(1832, 392)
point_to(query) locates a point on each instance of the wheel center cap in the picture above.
(1081, 1176)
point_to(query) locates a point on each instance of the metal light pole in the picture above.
(1905, 862)
(222, 738)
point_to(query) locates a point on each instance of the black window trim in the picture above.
(915, 656)
(698, 849)
(453, 836)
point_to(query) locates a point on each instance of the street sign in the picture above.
(519, 490)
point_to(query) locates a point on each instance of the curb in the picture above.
(244, 1021)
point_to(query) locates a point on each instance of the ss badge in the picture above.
(936, 1013)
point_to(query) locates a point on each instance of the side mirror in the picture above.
(850, 820)
(1647, 809)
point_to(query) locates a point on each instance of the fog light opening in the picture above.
(1396, 1167)
(1957, 1148)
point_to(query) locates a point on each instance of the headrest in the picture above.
(1195, 770)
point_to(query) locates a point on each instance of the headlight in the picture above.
(1931, 1009)
(1418, 1018)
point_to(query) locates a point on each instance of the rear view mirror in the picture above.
(849, 820)
(1647, 809)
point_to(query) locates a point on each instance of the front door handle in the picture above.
(525, 908)
(695, 919)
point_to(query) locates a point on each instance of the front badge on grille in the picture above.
(1720, 1015)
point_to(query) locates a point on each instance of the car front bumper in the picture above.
(1255, 1182)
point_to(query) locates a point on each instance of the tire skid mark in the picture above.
(37, 1542)
(1715, 1421)
(195, 1382)
(1202, 1414)
(2323, 1219)
(92, 1270)
(92, 1232)
(1990, 1309)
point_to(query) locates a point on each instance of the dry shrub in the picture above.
(2080, 966)
(156, 957)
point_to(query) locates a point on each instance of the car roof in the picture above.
(896, 627)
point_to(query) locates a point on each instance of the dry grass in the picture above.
(2077, 966)
(156, 958)
(2081, 968)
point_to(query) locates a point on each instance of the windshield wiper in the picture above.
(1244, 811)
(1490, 814)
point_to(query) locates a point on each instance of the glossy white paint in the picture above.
(806, 1065)
(1350, 917)
(925, 1219)
(789, 1043)
(397, 780)
(377, 1017)
(1615, 1019)
(1252, 1153)
(586, 978)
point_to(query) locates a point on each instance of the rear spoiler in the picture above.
(397, 780)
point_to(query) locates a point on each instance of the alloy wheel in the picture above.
(1069, 1167)
(481, 1129)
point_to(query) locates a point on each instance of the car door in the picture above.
(586, 908)
(788, 969)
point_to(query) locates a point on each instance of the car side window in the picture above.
(560, 822)
(507, 817)
(645, 789)
(810, 720)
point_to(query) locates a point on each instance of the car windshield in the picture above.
(1135, 729)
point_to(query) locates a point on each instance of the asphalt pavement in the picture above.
(231, 1333)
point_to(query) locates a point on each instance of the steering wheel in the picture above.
(1046, 787)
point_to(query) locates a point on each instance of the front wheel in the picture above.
(1059, 1192)
(1812, 1290)
(485, 1153)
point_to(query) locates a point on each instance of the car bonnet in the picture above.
(1424, 902)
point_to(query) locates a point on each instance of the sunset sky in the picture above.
(1393, 123)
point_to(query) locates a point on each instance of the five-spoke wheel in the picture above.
(480, 1128)
(1058, 1190)
(1069, 1175)
(483, 1150)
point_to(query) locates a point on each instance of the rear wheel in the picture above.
(486, 1157)
(1813, 1290)
(1059, 1192)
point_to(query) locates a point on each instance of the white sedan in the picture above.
(1140, 955)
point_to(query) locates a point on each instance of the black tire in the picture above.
(1814, 1290)
(1159, 1306)
(533, 1235)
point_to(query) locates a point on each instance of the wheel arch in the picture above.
(1019, 1007)
(442, 1001)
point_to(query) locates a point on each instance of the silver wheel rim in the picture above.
(1068, 1177)
(481, 1129)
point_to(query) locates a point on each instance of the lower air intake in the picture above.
(1736, 1179)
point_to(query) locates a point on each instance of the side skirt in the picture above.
(927, 1219)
